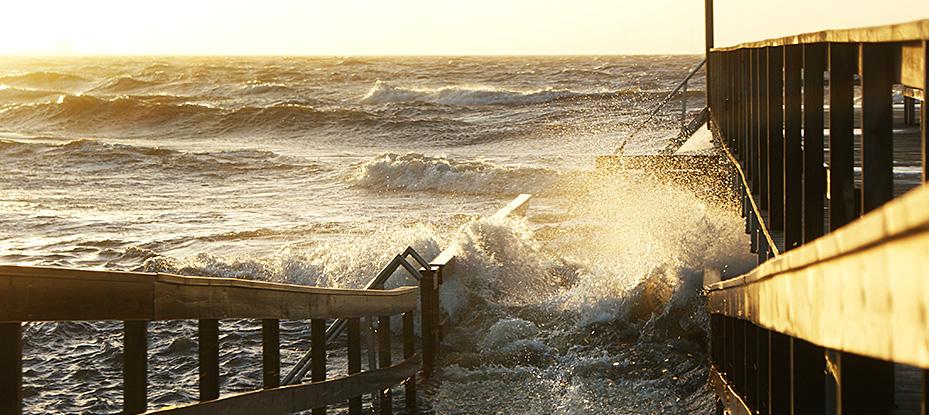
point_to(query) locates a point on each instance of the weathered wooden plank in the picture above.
(300, 397)
(11, 368)
(354, 360)
(842, 67)
(48, 294)
(318, 359)
(814, 174)
(834, 292)
(793, 147)
(271, 353)
(135, 366)
(903, 32)
(877, 80)
(208, 353)
(913, 65)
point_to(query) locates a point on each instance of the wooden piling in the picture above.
(135, 366)
(866, 385)
(318, 358)
(428, 320)
(877, 80)
(11, 368)
(807, 378)
(779, 392)
(270, 353)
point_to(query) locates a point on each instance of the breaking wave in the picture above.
(418, 172)
(383, 92)
(44, 80)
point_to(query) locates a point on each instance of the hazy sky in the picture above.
(416, 27)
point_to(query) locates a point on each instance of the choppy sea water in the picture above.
(318, 170)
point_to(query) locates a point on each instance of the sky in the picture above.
(417, 27)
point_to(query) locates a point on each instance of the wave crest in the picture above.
(383, 92)
(418, 172)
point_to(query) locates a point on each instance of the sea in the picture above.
(318, 170)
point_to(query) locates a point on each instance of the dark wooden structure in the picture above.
(839, 304)
(36, 294)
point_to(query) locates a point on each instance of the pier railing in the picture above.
(37, 294)
(836, 312)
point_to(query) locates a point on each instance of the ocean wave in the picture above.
(102, 156)
(383, 92)
(123, 85)
(418, 172)
(9, 94)
(44, 79)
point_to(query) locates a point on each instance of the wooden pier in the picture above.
(36, 294)
(835, 318)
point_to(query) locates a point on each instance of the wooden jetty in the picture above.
(835, 318)
(35, 294)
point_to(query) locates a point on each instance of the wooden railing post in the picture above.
(135, 366)
(427, 320)
(877, 158)
(807, 377)
(11, 368)
(793, 147)
(763, 363)
(814, 174)
(760, 119)
(208, 336)
(354, 360)
(384, 361)
(779, 400)
(865, 386)
(409, 349)
(842, 64)
(750, 390)
(318, 358)
(775, 133)
(271, 353)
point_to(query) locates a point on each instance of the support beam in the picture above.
(807, 378)
(877, 80)
(135, 366)
(208, 335)
(865, 386)
(775, 133)
(383, 344)
(409, 349)
(779, 373)
(11, 368)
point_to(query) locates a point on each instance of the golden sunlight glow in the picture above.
(415, 27)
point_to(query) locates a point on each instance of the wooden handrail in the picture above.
(902, 32)
(60, 294)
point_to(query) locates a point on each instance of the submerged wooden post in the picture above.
(877, 158)
(208, 335)
(842, 63)
(814, 174)
(135, 366)
(383, 344)
(354, 360)
(11, 368)
(270, 353)
(318, 358)
(793, 147)
(409, 349)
